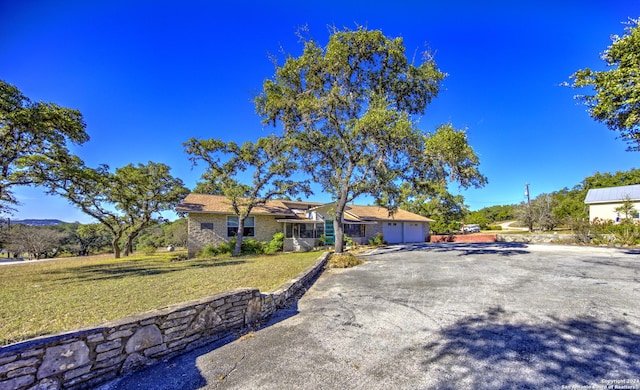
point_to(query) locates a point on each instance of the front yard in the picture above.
(48, 297)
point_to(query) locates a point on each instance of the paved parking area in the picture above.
(440, 316)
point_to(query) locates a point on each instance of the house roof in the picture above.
(217, 204)
(372, 213)
(613, 194)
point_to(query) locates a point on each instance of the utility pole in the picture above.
(530, 216)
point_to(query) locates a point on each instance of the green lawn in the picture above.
(39, 298)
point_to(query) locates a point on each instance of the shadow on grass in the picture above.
(483, 352)
(138, 269)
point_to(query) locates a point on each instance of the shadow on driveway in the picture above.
(481, 351)
(465, 249)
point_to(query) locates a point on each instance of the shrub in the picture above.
(209, 251)
(276, 244)
(378, 240)
(250, 246)
(625, 233)
(493, 227)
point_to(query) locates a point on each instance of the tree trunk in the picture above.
(338, 225)
(238, 248)
(115, 244)
(128, 247)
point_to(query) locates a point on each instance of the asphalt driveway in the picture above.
(445, 316)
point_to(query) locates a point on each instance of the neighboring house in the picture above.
(603, 202)
(211, 221)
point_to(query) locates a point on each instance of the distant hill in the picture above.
(37, 222)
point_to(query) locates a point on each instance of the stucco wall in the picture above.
(86, 358)
(265, 227)
(606, 211)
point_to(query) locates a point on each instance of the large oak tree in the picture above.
(615, 100)
(350, 108)
(268, 162)
(124, 201)
(28, 131)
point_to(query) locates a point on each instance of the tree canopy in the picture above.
(268, 161)
(616, 97)
(30, 131)
(349, 109)
(125, 201)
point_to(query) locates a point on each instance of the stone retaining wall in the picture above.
(537, 238)
(85, 358)
(465, 238)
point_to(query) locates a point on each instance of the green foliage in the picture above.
(149, 250)
(33, 136)
(625, 233)
(607, 232)
(349, 109)
(616, 98)
(270, 161)
(125, 202)
(378, 240)
(445, 209)
(250, 246)
(627, 209)
(276, 244)
(602, 180)
(478, 218)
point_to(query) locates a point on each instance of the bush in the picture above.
(276, 244)
(378, 240)
(250, 246)
(209, 251)
(493, 227)
(625, 233)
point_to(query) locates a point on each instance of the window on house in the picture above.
(307, 230)
(354, 230)
(232, 227)
(303, 230)
(206, 226)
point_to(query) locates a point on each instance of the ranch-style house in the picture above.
(211, 221)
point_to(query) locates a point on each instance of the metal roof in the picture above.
(613, 194)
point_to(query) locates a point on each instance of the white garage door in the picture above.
(392, 232)
(413, 232)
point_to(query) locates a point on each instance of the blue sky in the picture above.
(148, 75)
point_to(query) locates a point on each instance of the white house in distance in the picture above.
(211, 221)
(604, 201)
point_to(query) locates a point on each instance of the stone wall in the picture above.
(538, 238)
(464, 238)
(88, 357)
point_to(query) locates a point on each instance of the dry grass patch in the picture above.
(344, 260)
(47, 297)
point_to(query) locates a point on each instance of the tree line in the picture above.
(75, 239)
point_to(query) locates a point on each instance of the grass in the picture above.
(47, 297)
